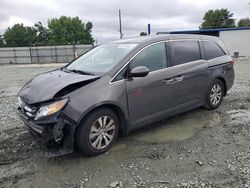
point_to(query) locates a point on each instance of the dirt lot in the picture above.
(197, 149)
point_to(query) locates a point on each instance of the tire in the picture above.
(215, 95)
(97, 132)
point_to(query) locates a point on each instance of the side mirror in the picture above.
(140, 71)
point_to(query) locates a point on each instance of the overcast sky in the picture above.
(163, 15)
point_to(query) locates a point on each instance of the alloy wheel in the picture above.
(102, 132)
(216, 94)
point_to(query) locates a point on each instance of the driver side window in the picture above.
(153, 57)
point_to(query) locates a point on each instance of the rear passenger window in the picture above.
(184, 52)
(212, 50)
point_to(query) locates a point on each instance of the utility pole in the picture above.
(120, 24)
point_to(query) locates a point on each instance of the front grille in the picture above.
(29, 110)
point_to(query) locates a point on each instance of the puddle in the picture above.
(77, 168)
(241, 116)
(181, 127)
(123, 150)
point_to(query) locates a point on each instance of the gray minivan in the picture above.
(121, 86)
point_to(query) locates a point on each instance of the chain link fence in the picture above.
(42, 54)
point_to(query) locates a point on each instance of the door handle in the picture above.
(179, 78)
(169, 81)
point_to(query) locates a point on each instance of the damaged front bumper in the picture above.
(55, 134)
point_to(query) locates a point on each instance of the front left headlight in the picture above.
(50, 108)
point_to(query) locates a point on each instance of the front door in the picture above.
(150, 97)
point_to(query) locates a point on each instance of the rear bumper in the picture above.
(57, 138)
(230, 76)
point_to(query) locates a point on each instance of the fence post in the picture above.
(74, 50)
(30, 55)
(66, 49)
(38, 60)
(56, 54)
(14, 51)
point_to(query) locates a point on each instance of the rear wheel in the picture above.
(215, 95)
(98, 132)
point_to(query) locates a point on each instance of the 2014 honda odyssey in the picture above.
(123, 85)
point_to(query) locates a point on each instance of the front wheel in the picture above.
(215, 95)
(98, 132)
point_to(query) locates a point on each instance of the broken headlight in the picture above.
(50, 109)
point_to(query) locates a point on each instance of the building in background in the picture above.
(236, 39)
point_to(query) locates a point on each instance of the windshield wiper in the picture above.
(79, 71)
(64, 69)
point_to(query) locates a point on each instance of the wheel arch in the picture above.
(123, 129)
(224, 83)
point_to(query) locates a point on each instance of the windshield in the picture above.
(101, 59)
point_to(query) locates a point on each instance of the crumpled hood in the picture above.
(45, 86)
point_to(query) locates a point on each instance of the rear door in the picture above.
(150, 97)
(190, 73)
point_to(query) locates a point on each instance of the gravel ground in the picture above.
(197, 149)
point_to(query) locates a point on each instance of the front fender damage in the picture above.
(56, 138)
(59, 138)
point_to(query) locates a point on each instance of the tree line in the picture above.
(71, 30)
(219, 18)
(222, 18)
(60, 31)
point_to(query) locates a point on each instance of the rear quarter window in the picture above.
(212, 50)
(184, 52)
